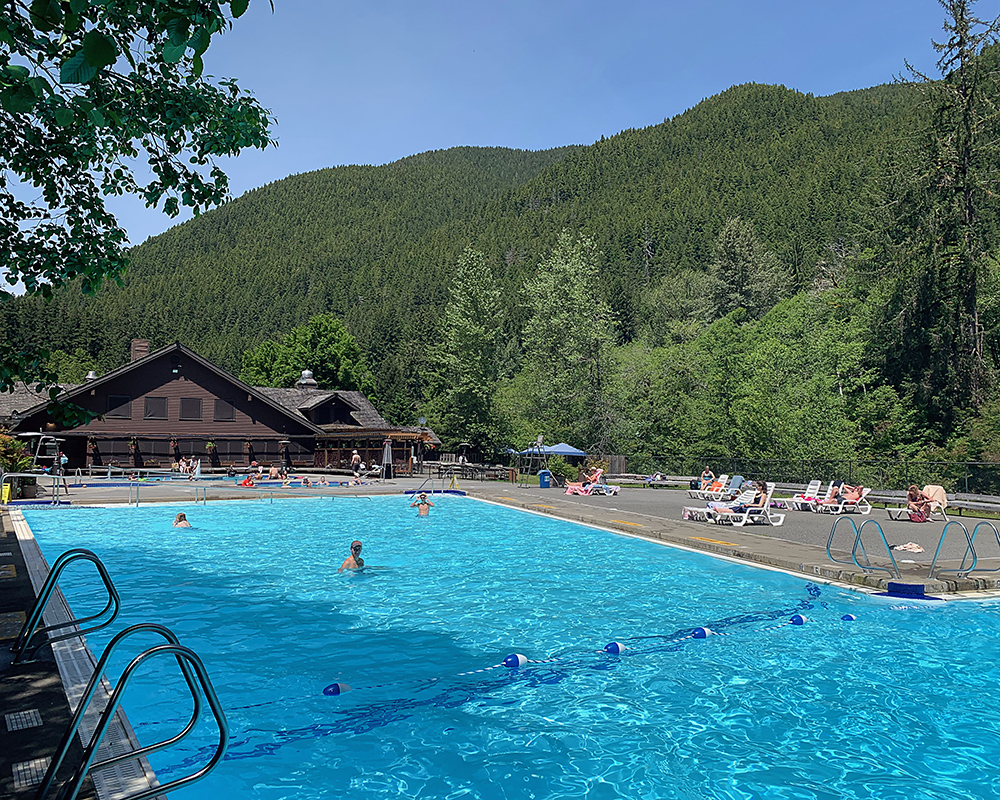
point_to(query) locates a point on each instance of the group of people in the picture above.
(187, 466)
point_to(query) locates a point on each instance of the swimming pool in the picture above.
(897, 703)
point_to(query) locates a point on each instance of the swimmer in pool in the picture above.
(354, 560)
(422, 504)
(180, 521)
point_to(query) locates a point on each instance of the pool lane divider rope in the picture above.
(517, 660)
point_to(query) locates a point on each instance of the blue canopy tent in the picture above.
(561, 449)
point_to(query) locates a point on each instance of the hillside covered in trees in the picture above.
(769, 274)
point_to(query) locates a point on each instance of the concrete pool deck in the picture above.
(798, 547)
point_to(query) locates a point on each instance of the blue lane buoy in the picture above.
(515, 660)
(336, 688)
(702, 633)
(848, 617)
(798, 619)
(614, 648)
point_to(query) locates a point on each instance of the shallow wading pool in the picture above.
(898, 703)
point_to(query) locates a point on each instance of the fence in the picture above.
(974, 477)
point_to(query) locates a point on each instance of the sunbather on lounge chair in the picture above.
(707, 477)
(759, 501)
(589, 480)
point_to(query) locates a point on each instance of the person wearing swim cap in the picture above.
(354, 560)
(422, 504)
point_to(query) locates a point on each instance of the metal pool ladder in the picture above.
(970, 550)
(867, 566)
(199, 685)
(28, 630)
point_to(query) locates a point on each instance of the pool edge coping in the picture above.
(76, 663)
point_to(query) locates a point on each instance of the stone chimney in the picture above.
(306, 381)
(140, 349)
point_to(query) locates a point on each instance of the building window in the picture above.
(156, 408)
(225, 411)
(119, 406)
(191, 408)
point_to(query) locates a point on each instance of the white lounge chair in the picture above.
(939, 502)
(800, 502)
(699, 494)
(845, 506)
(702, 513)
(753, 515)
(818, 501)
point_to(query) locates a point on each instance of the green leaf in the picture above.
(19, 101)
(177, 30)
(99, 49)
(79, 6)
(77, 69)
(200, 41)
(238, 7)
(173, 53)
(46, 15)
(17, 71)
(198, 66)
(64, 116)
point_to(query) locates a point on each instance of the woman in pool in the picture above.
(354, 560)
(181, 521)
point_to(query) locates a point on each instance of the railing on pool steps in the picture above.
(199, 685)
(30, 630)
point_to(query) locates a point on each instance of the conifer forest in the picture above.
(769, 275)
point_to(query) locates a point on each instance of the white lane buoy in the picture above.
(614, 648)
(336, 688)
(798, 619)
(848, 617)
(515, 660)
(702, 633)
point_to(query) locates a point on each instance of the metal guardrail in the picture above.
(28, 630)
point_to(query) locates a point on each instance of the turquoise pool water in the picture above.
(899, 703)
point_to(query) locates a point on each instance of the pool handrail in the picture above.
(28, 630)
(867, 566)
(57, 482)
(422, 485)
(970, 548)
(88, 695)
(71, 789)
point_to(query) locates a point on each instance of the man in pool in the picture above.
(422, 504)
(354, 560)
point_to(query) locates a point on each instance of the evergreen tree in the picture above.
(567, 341)
(949, 218)
(465, 370)
(747, 275)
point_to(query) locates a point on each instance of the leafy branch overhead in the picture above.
(87, 89)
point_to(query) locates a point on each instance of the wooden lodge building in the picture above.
(172, 403)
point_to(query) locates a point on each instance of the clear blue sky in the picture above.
(372, 82)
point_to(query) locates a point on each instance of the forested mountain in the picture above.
(695, 228)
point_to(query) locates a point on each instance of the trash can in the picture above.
(544, 479)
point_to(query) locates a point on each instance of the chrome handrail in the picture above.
(88, 695)
(72, 788)
(867, 566)
(28, 631)
(970, 549)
